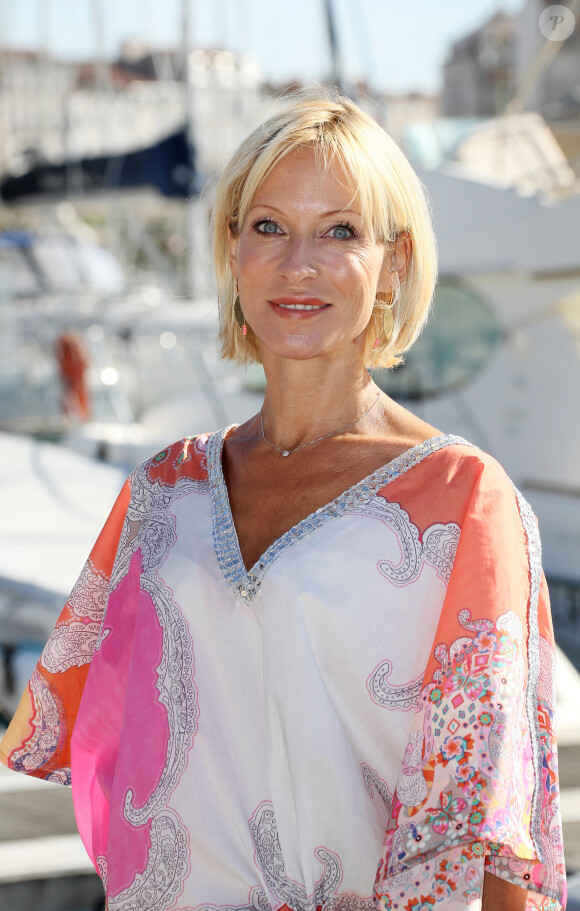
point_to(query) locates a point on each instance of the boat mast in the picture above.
(193, 279)
(336, 73)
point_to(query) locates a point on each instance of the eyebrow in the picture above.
(263, 205)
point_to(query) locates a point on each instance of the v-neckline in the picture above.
(246, 583)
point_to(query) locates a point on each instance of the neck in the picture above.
(305, 399)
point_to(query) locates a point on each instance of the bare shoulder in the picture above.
(403, 430)
(463, 460)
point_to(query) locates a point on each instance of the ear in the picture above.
(396, 260)
(233, 252)
(400, 256)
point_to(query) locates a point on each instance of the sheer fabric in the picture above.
(245, 739)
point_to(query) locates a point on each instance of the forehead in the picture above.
(303, 177)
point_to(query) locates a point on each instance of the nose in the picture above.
(298, 261)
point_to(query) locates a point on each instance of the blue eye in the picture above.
(267, 227)
(341, 232)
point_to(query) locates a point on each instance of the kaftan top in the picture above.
(245, 739)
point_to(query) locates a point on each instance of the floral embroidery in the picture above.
(473, 798)
(446, 813)
(417, 838)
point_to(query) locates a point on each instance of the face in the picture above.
(308, 271)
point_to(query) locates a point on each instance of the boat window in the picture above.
(460, 337)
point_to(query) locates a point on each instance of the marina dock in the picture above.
(43, 864)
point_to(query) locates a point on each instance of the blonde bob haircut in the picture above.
(390, 195)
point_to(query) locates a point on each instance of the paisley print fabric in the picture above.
(478, 788)
(364, 719)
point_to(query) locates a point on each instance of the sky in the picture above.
(397, 45)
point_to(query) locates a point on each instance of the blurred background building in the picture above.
(479, 75)
(112, 132)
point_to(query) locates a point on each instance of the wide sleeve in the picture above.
(38, 739)
(478, 788)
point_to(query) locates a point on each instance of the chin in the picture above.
(300, 348)
(296, 352)
(296, 348)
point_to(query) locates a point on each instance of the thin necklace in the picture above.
(286, 452)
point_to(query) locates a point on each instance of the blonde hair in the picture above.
(390, 195)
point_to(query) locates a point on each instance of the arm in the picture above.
(481, 754)
(499, 895)
(37, 741)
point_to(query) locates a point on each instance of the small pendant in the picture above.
(285, 453)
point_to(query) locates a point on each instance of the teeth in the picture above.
(301, 306)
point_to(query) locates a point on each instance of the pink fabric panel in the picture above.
(105, 766)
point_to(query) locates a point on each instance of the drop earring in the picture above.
(238, 312)
(388, 319)
(388, 305)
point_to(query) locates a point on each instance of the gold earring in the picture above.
(238, 312)
(388, 321)
(388, 305)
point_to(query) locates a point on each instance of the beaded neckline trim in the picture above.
(246, 583)
(534, 546)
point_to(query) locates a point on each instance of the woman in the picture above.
(326, 623)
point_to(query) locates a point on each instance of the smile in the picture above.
(302, 306)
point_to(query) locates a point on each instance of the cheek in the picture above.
(361, 284)
(252, 248)
(364, 268)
